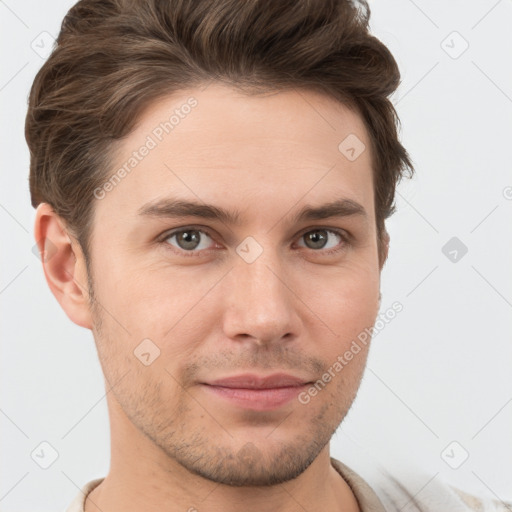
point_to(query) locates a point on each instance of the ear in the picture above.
(383, 253)
(63, 265)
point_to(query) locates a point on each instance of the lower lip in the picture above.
(257, 399)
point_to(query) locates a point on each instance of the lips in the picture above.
(253, 381)
(257, 392)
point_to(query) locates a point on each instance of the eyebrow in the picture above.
(175, 208)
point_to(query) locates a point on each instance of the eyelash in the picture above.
(192, 253)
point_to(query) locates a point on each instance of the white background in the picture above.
(439, 372)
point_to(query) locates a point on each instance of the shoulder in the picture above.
(479, 504)
(417, 491)
(413, 490)
(78, 503)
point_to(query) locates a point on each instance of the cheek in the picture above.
(348, 304)
(170, 309)
(133, 292)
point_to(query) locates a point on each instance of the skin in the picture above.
(294, 309)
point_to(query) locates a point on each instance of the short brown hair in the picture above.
(113, 57)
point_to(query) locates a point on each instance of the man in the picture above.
(212, 179)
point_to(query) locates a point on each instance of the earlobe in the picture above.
(63, 264)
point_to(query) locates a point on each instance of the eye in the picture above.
(318, 239)
(189, 239)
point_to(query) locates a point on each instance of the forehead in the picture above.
(218, 144)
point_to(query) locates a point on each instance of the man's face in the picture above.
(268, 294)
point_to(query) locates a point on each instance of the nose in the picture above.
(260, 303)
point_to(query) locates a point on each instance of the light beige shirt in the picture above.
(389, 495)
